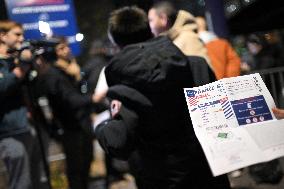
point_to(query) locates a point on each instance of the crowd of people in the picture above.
(140, 82)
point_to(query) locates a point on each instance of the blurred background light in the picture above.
(79, 37)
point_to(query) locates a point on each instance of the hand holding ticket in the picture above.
(234, 122)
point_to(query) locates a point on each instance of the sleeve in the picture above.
(73, 97)
(63, 89)
(233, 67)
(116, 136)
(8, 82)
(201, 72)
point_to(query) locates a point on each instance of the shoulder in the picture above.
(52, 71)
(161, 41)
(157, 48)
(53, 76)
(144, 63)
(4, 62)
(197, 59)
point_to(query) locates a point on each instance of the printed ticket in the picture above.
(230, 118)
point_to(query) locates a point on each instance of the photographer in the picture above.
(70, 109)
(15, 136)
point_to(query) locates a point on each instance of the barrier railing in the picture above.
(274, 80)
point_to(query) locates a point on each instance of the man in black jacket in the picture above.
(16, 141)
(150, 125)
(70, 111)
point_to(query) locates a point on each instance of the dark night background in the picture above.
(259, 15)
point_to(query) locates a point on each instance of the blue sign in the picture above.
(251, 110)
(59, 14)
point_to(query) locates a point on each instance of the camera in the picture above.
(43, 47)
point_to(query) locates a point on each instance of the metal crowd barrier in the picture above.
(274, 80)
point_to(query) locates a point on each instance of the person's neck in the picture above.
(68, 60)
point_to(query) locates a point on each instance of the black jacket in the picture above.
(13, 113)
(69, 106)
(154, 125)
(201, 72)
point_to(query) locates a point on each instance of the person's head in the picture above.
(161, 17)
(128, 25)
(63, 50)
(11, 34)
(256, 43)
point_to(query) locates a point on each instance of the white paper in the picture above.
(234, 124)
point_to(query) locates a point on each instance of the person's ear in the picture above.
(164, 19)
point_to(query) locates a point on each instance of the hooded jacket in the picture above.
(69, 106)
(153, 128)
(184, 35)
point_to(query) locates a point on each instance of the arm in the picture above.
(10, 81)
(116, 136)
(11, 75)
(71, 95)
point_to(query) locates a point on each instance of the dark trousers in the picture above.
(78, 148)
(22, 158)
(31, 143)
(15, 158)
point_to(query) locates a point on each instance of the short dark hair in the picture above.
(168, 9)
(258, 39)
(129, 25)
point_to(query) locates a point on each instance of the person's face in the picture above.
(157, 22)
(63, 51)
(254, 48)
(13, 38)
